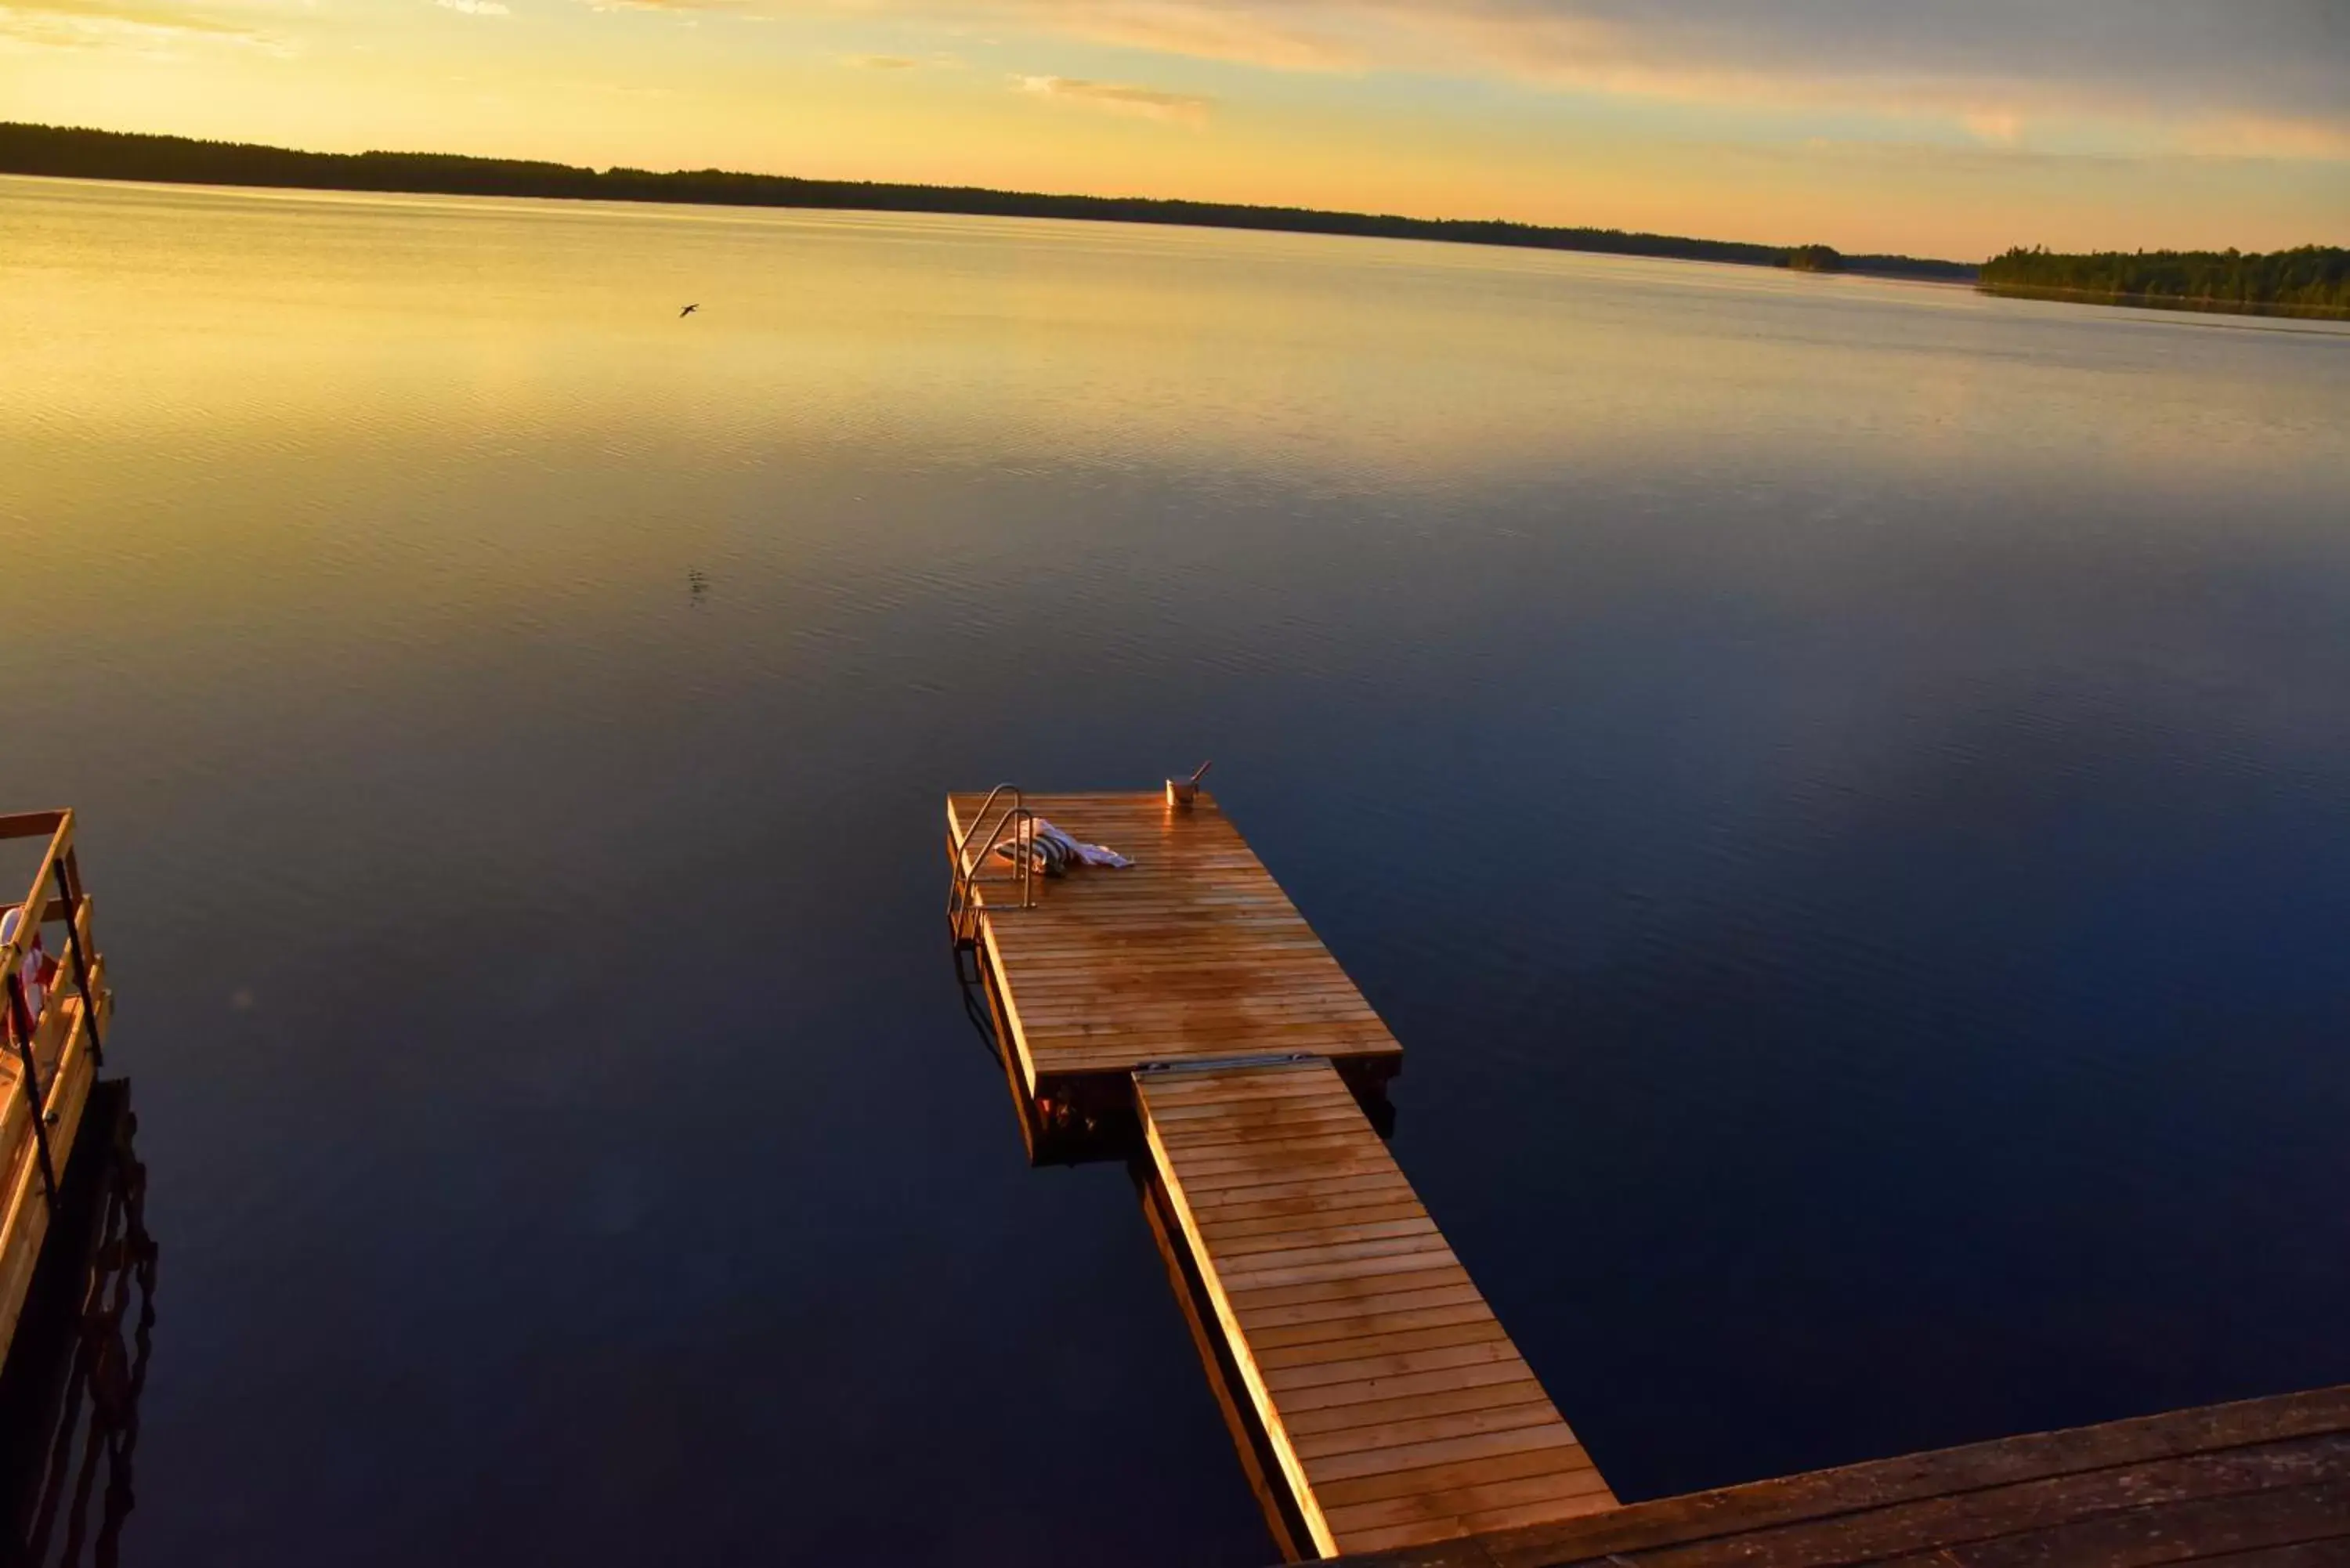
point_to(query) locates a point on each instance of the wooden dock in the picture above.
(1183, 1010)
(1186, 998)
(2260, 1483)
(1397, 1406)
(54, 1036)
(1194, 950)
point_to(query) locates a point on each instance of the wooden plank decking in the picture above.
(1403, 1423)
(1192, 951)
(1187, 993)
(2261, 1483)
(1397, 1407)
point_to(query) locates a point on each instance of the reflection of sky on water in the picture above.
(1834, 785)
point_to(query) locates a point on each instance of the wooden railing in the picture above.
(54, 1039)
(41, 1035)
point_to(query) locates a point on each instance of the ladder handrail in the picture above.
(1022, 823)
(980, 815)
(961, 909)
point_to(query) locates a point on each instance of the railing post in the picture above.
(68, 889)
(20, 1024)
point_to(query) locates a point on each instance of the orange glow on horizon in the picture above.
(805, 92)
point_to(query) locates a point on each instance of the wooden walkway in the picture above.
(1187, 995)
(1397, 1407)
(2263, 1483)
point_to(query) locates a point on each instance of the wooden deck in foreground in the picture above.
(1397, 1408)
(2264, 1483)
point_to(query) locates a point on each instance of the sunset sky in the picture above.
(1937, 129)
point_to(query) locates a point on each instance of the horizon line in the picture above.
(20, 153)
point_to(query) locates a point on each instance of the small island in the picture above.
(2312, 280)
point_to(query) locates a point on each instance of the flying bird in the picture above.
(687, 311)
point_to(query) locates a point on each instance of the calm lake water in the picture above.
(1842, 788)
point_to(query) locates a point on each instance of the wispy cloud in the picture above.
(1122, 98)
(680, 6)
(885, 62)
(474, 7)
(93, 23)
(2173, 76)
(2270, 77)
(1307, 35)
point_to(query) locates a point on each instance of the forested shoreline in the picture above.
(177, 159)
(2313, 280)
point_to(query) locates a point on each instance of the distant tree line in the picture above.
(113, 155)
(2313, 280)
